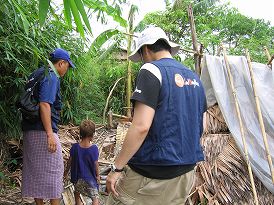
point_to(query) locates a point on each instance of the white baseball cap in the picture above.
(148, 37)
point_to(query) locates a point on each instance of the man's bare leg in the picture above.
(55, 201)
(78, 200)
(95, 201)
(39, 201)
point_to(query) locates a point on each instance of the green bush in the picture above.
(24, 46)
(97, 79)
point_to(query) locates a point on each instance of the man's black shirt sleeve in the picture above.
(147, 89)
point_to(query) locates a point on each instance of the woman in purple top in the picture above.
(83, 164)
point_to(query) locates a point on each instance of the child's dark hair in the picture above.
(87, 128)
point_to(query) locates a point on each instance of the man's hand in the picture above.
(111, 182)
(51, 143)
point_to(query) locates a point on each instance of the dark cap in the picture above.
(60, 53)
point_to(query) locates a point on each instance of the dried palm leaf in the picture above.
(214, 121)
(223, 177)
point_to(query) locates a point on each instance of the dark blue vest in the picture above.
(174, 136)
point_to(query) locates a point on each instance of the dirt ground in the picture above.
(11, 164)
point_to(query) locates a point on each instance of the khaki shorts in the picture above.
(134, 189)
(85, 189)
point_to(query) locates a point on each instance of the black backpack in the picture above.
(28, 103)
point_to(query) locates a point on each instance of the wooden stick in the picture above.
(109, 95)
(259, 112)
(130, 34)
(219, 50)
(200, 56)
(194, 39)
(120, 116)
(270, 60)
(241, 126)
(267, 53)
(189, 51)
(110, 122)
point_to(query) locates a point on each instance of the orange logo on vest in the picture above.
(179, 80)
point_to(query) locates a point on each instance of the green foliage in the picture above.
(77, 17)
(43, 10)
(96, 82)
(7, 166)
(102, 39)
(102, 8)
(24, 46)
(215, 24)
(77, 9)
(24, 51)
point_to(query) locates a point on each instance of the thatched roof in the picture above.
(223, 177)
(214, 122)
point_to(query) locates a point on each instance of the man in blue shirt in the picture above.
(162, 146)
(42, 153)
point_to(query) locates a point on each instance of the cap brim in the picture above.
(71, 64)
(135, 56)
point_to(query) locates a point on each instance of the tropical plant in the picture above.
(117, 38)
(77, 9)
(24, 47)
(97, 80)
(216, 24)
(28, 35)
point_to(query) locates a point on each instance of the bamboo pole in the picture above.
(241, 126)
(108, 98)
(259, 112)
(200, 57)
(120, 116)
(129, 86)
(270, 61)
(269, 57)
(267, 53)
(110, 119)
(194, 39)
(188, 50)
(130, 34)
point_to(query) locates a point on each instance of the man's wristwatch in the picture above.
(114, 169)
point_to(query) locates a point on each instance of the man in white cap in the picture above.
(162, 146)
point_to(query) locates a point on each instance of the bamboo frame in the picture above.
(200, 55)
(110, 121)
(189, 51)
(108, 98)
(241, 126)
(269, 57)
(194, 40)
(259, 112)
(267, 53)
(270, 60)
(120, 116)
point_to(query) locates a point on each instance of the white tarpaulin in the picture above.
(216, 82)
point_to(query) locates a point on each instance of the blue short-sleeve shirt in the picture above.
(49, 92)
(83, 164)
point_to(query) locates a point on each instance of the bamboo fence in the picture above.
(259, 112)
(230, 77)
